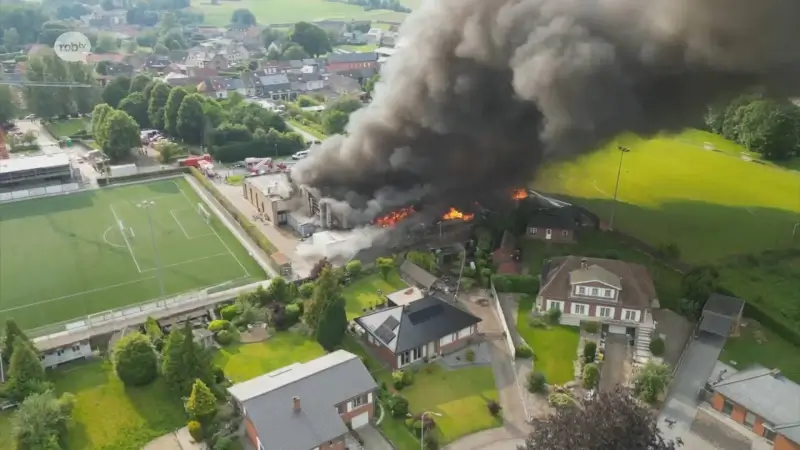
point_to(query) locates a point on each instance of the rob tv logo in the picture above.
(72, 46)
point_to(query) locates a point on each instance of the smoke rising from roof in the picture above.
(485, 91)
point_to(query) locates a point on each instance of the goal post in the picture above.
(201, 209)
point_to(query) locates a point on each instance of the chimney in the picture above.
(584, 265)
(296, 404)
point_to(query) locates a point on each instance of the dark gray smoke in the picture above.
(484, 91)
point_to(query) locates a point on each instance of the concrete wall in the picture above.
(502, 319)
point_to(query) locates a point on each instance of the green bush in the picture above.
(431, 441)
(195, 430)
(135, 360)
(223, 337)
(526, 284)
(219, 324)
(398, 406)
(560, 400)
(408, 377)
(494, 408)
(537, 322)
(591, 327)
(470, 355)
(397, 379)
(657, 346)
(554, 315)
(523, 352)
(589, 352)
(354, 268)
(537, 383)
(229, 312)
(591, 375)
(306, 290)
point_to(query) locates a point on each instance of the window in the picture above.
(769, 431)
(595, 292)
(417, 353)
(608, 293)
(581, 290)
(749, 420)
(76, 348)
(604, 312)
(630, 315)
(533, 230)
(405, 358)
(727, 408)
(360, 401)
(578, 308)
(552, 304)
(564, 233)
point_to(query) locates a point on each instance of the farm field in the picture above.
(711, 204)
(291, 11)
(66, 257)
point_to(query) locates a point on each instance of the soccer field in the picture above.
(65, 257)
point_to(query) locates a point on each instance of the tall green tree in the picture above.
(172, 362)
(156, 104)
(326, 290)
(196, 361)
(332, 324)
(11, 334)
(136, 106)
(121, 135)
(293, 52)
(335, 121)
(116, 90)
(99, 114)
(312, 38)
(8, 105)
(25, 372)
(278, 290)
(42, 420)
(135, 360)
(771, 128)
(174, 101)
(201, 404)
(243, 18)
(139, 83)
(191, 120)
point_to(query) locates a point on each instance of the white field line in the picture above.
(76, 294)
(105, 238)
(594, 185)
(172, 213)
(125, 238)
(247, 274)
(188, 261)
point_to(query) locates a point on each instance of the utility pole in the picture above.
(622, 151)
(146, 205)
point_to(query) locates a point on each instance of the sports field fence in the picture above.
(43, 191)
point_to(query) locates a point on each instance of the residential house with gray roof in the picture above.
(307, 406)
(762, 400)
(276, 87)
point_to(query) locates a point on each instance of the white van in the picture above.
(300, 155)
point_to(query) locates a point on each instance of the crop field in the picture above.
(291, 11)
(69, 256)
(708, 200)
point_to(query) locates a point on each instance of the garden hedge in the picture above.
(526, 284)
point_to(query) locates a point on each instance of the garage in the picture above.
(615, 329)
(360, 420)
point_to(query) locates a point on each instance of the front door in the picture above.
(548, 234)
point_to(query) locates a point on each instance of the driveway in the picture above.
(613, 371)
(373, 439)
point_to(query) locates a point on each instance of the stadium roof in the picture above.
(33, 162)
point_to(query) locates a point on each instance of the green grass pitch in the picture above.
(66, 257)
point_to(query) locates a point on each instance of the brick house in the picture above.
(307, 406)
(554, 225)
(763, 401)
(617, 294)
(420, 330)
(357, 65)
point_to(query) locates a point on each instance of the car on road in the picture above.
(300, 155)
(30, 117)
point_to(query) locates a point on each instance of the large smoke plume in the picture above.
(484, 91)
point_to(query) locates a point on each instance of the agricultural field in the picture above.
(66, 257)
(291, 11)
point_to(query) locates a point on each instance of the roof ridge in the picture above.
(551, 276)
(759, 374)
(784, 426)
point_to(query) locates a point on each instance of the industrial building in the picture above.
(21, 173)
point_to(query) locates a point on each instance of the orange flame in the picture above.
(519, 194)
(393, 217)
(454, 214)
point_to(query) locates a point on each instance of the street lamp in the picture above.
(146, 205)
(622, 151)
(422, 428)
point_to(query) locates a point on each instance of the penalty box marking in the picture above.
(185, 233)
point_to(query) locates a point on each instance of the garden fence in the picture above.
(502, 318)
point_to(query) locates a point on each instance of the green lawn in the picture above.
(242, 362)
(316, 133)
(399, 434)
(65, 257)
(68, 127)
(109, 415)
(758, 345)
(290, 11)
(554, 348)
(364, 292)
(6, 443)
(460, 396)
(358, 48)
(672, 190)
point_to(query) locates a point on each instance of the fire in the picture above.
(393, 217)
(519, 194)
(454, 214)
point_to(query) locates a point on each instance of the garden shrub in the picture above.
(300, 306)
(218, 325)
(229, 312)
(408, 377)
(523, 352)
(470, 355)
(354, 268)
(306, 290)
(537, 383)
(657, 346)
(431, 441)
(135, 360)
(219, 374)
(195, 430)
(537, 322)
(554, 315)
(397, 379)
(525, 284)
(398, 406)
(292, 313)
(494, 408)
(223, 337)
(589, 352)
(560, 400)
(591, 375)
(591, 327)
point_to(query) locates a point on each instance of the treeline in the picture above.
(45, 101)
(766, 126)
(369, 5)
(231, 129)
(333, 120)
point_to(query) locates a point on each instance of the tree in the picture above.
(597, 425)
(696, 286)
(156, 103)
(195, 360)
(8, 106)
(105, 43)
(369, 86)
(11, 334)
(651, 381)
(385, 266)
(154, 331)
(174, 101)
(425, 260)
(191, 120)
(136, 106)
(116, 90)
(537, 383)
(243, 18)
(121, 135)
(334, 122)
(354, 268)
(771, 128)
(25, 371)
(42, 420)
(293, 52)
(332, 323)
(312, 38)
(326, 290)
(734, 116)
(278, 290)
(591, 375)
(11, 39)
(139, 83)
(172, 362)
(201, 404)
(135, 360)
(167, 151)
(48, 101)
(99, 129)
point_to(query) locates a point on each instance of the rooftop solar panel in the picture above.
(391, 323)
(384, 334)
(425, 314)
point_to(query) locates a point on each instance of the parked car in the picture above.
(300, 155)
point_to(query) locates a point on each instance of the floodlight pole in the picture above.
(622, 151)
(146, 205)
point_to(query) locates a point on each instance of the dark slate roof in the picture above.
(233, 83)
(716, 324)
(425, 320)
(417, 274)
(555, 218)
(724, 305)
(352, 57)
(321, 384)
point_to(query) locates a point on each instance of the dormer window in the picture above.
(581, 290)
(595, 292)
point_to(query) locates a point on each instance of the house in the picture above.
(219, 53)
(52, 357)
(762, 400)
(213, 87)
(250, 37)
(722, 315)
(275, 87)
(344, 85)
(617, 294)
(418, 331)
(235, 85)
(373, 36)
(157, 62)
(388, 39)
(554, 225)
(307, 406)
(357, 65)
(416, 275)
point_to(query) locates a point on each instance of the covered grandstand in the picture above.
(30, 171)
